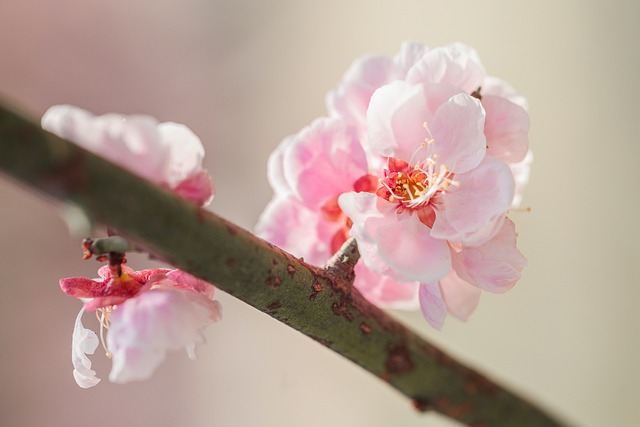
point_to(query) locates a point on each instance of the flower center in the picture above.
(414, 187)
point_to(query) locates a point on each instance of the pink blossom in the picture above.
(168, 154)
(444, 146)
(146, 313)
(442, 200)
(308, 172)
(448, 70)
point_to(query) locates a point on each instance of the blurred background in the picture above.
(245, 74)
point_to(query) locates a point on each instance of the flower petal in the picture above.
(325, 160)
(384, 291)
(409, 54)
(432, 304)
(81, 287)
(460, 297)
(287, 223)
(494, 266)
(83, 342)
(458, 133)
(145, 327)
(351, 99)
(71, 123)
(396, 245)
(506, 128)
(186, 281)
(275, 167)
(184, 152)
(521, 171)
(475, 206)
(406, 246)
(498, 87)
(455, 64)
(198, 188)
(396, 118)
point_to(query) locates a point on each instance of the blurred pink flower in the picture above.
(167, 154)
(146, 313)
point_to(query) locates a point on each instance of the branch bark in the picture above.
(319, 302)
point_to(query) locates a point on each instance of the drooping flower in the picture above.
(168, 154)
(145, 312)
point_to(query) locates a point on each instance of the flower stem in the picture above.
(318, 302)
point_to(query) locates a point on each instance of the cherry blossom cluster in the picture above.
(420, 160)
(143, 313)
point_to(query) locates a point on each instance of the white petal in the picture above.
(83, 342)
(432, 304)
(145, 327)
(185, 152)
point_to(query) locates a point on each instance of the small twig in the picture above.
(340, 266)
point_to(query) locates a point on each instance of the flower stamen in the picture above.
(103, 315)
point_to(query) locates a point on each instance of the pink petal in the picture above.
(325, 160)
(351, 99)
(145, 327)
(432, 304)
(498, 87)
(287, 223)
(81, 287)
(71, 123)
(275, 167)
(385, 292)
(521, 171)
(367, 212)
(167, 153)
(105, 301)
(460, 297)
(396, 118)
(133, 142)
(483, 195)
(186, 281)
(198, 188)
(494, 266)
(83, 342)
(506, 128)
(410, 53)
(184, 152)
(455, 64)
(458, 131)
(396, 245)
(409, 250)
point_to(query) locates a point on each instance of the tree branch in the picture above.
(318, 302)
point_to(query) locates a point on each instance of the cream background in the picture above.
(245, 74)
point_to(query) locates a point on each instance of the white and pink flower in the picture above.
(167, 154)
(308, 172)
(448, 70)
(423, 158)
(146, 314)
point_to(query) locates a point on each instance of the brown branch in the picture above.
(320, 303)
